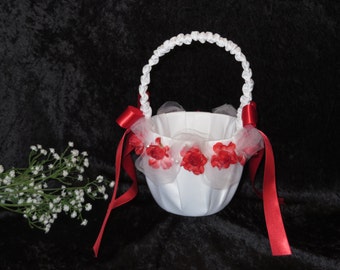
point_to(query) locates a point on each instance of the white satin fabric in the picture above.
(178, 190)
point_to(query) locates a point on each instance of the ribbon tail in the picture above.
(276, 231)
(253, 166)
(128, 195)
(96, 245)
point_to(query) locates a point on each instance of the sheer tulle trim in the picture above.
(203, 143)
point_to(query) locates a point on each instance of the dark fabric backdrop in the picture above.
(69, 68)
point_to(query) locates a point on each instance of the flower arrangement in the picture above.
(51, 184)
(193, 160)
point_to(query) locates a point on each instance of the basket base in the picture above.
(190, 196)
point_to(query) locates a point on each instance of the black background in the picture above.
(69, 68)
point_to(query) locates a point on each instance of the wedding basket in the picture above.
(193, 161)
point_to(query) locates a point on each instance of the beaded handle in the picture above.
(202, 37)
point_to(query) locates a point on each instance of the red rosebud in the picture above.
(157, 152)
(225, 155)
(137, 144)
(193, 160)
(159, 155)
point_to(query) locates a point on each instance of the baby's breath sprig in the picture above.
(51, 184)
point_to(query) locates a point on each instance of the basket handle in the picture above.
(202, 37)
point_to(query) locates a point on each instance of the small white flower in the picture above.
(9, 190)
(56, 156)
(38, 168)
(70, 144)
(66, 208)
(57, 200)
(86, 162)
(84, 222)
(101, 189)
(1, 169)
(73, 214)
(89, 190)
(65, 173)
(39, 146)
(50, 166)
(73, 160)
(43, 151)
(34, 148)
(37, 187)
(52, 150)
(80, 169)
(112, 184)
(75, 152)
(80, 177)
(84, 153)
(100, 178)
(45, 185)
(47, 228)
(88, 207)
(12, 173)
(7, 180)
(106, 197)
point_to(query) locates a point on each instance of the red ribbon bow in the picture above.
(276, 232)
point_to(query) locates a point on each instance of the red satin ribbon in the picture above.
(276, 232)
(129, 116)
(249, 114)
(123, 157)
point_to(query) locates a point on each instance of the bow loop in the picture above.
(129, 117)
